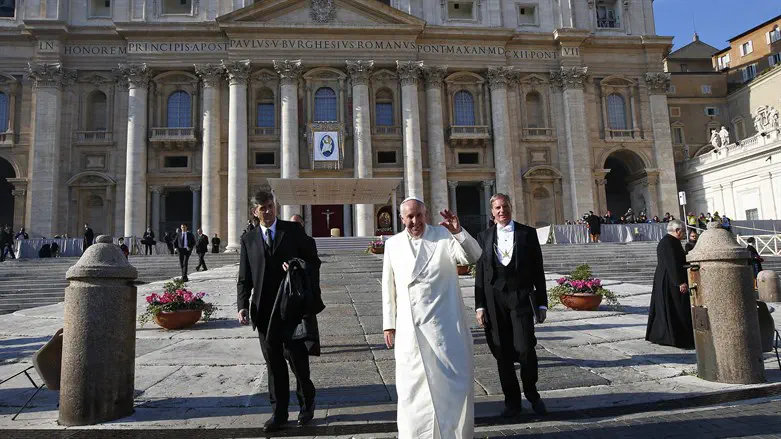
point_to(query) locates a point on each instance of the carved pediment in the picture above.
(96, 79)
(319, 13)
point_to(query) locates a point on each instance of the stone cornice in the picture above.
(500, 77)
(210, 74)
(136, 75)
(238, 71)
(289, 71)
(434, 75)
(658, 82)
(569, 77)
(409, 71)
(360, 71)
(46, 75)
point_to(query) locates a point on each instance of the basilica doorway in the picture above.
(178, 210)
(627, 185)
(6, 194)
(326, 217)
(469, 207)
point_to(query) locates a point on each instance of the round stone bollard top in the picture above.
(717, 244)
(103, 259)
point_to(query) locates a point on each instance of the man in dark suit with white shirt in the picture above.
(510, 296)
(184, 243)
(265, 251)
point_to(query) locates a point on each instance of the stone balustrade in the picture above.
(746, 145)
(91, 137)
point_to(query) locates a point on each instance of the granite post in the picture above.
(769, 286)
(99, 337)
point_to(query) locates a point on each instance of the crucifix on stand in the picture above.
(328, 214)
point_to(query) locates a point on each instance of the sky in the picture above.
(716, 21)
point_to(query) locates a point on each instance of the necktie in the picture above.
(184, 239)
(268, 241)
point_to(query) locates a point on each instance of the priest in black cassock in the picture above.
(669, 318)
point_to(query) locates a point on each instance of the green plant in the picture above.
(175, 297)
(581, 281)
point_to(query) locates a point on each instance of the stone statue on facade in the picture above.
(715, 139)
(724, 136)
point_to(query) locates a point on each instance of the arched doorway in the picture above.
(627, 185)
(6, 194)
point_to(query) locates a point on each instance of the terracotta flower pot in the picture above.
(178, 319)
(581, 301)
(463, 270)
(377, 250)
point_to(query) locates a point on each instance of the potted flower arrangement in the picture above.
(376, 247)
(177, 307)
(581, 291)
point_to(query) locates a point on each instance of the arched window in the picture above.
(325, 105)
(616, 112)
(535, 117)
(179, 115)
(4, 108)
(464, 108)
(97, 109)
(265, 116)
(383, 108)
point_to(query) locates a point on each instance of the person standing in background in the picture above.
(201, 248)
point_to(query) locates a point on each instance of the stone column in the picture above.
(409, 73)
(289, 72)
(362, 140)
(196, 190)
(572, 80)
(155, 225)
(451, 186)
(211, 75)
(601, 181)
(20, 198)
(347, 213)
(653, 195)
(487, 193)
(238, 74)
(42, 203)
(658, 83)
(436, 138)
(135, 162)
(503, 154)
(162, 211)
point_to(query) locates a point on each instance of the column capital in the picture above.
(49, 75)
(238, 71)
(156, 189)
(360, 71)
(195, 187)
(136, 75)
(19, 192)
(434, 75)
(487, 184)
(569, 77)
(210, 74)
(499, 77)
(452, 184)
(658, 82)
(409, 71)
(289, 70)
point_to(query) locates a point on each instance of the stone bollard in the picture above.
(98, 354)
(724, 310)
(769, 286)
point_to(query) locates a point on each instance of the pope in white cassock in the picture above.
(423, 313)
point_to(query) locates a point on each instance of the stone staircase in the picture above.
(36, 282)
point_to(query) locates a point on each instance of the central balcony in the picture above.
(386, 131)
(477, 135)
(173, 138)
(93, 137)
(264, 132)
(621, 135)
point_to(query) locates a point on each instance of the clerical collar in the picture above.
(273, 228)
(412, 238)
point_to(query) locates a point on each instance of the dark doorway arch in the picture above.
(6, 193)
(623, 189)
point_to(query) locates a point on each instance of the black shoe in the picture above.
(274, 424)
(539, 407)
(510, 412)
(304, 416)
(184, 279)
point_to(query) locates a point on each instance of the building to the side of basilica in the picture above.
(131, 113)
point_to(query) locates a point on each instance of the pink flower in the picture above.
(561, 280)
(200, 295)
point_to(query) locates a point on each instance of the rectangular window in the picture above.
(740, 130)
(746, 48)
(684, 67)
(266, 115)
(675, 111)
(468, 158)
(706, 89)
(7, 8)
(177, 6)
(98, 8)
(264, 158)
(749, 72)
(460, 10)
(678, 135)
(774, 35)
(723, 62)
(383, 114)
(175, 161)
(386, 157)
(527, 15)
(774, 59)
(752, 214)
(607, 15)
(672, 89)
(711, 111)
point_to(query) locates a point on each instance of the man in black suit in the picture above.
(510, 295)
(184, 243)
(89, 236)
(265, 251)
(201, 248)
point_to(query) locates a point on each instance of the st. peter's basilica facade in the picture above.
(129, 113)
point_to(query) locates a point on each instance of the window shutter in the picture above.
(750, 46)
(767, 36)
(742, 50)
